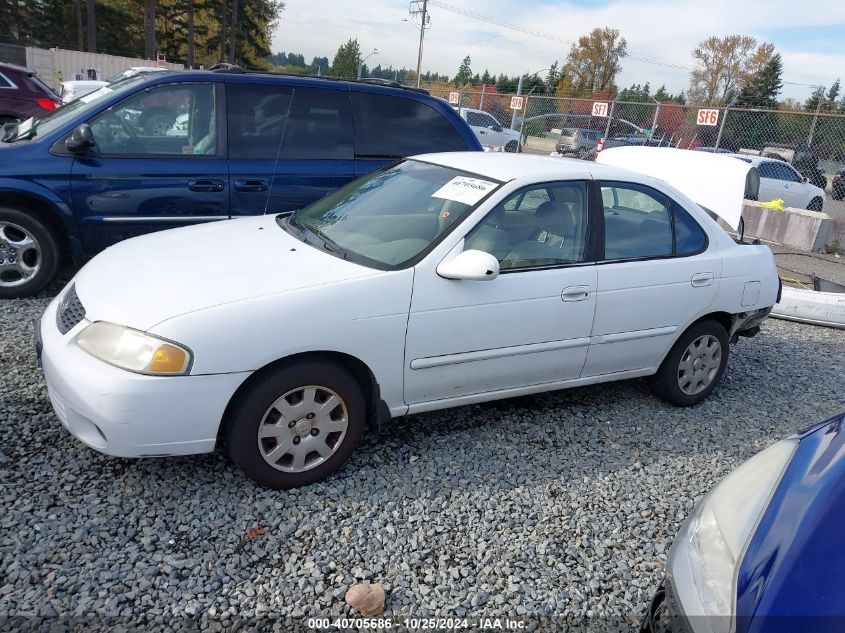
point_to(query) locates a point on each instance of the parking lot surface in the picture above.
(558, 504)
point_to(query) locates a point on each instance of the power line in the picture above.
(543, 34)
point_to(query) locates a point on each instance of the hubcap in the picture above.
(699, 364)
(302, 429)
(20, 255)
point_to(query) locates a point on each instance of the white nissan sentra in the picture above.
(438, 281)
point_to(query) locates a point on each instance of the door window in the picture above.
(487, 121)
(162, 120)
(391, 126)
(477, 119)
(637, 222)
(542, 225)
(777, 171)
(690, 238)
(319, 126)
(256, 116)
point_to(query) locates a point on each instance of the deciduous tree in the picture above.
(593, 62)
(724, 65)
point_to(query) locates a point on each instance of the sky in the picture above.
(810, 35)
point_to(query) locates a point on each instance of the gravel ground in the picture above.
(561, 504)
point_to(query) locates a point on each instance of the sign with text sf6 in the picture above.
(454, 98)
(517, 102)
(708, 117)
(600, 108)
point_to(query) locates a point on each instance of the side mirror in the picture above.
(470, 265)
(81, 139)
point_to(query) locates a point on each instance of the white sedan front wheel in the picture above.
(296, 424)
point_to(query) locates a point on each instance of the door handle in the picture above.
(575, 293)
(205, 185)
(702, 279)
(251, 185)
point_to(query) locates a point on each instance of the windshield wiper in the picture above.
(301, 232)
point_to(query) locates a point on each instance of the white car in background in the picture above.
(779, 179)
(490, 132)
(70, 90)
(439, 281)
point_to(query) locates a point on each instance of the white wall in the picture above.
(56, 65)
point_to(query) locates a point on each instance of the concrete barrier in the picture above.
(536, 144)
(799, 228)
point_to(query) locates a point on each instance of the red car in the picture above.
(24, 95)
(837, 185)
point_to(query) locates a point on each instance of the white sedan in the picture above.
(435, 282)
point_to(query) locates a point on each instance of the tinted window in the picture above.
(777, 171)
(689, 236)
(542, 225)
(478, 119)
(256, 116)
(387, 126)
(319, 125)
(169, 119)
(4, 82)
(637, 222)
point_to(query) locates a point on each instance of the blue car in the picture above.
(763, 552)
(169, 149)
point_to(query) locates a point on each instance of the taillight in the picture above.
(47, 104)
(600, 145)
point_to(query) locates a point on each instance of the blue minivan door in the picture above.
(316, 154)
(159, 163)
(256, 114)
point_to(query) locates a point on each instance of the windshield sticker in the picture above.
(465, 190)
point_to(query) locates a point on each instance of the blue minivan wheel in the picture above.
(29, 254)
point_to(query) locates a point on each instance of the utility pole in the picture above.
(424, 18)
(816, 116)
(513, 113)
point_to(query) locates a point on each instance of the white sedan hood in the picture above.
(714, 181)
(146, 280)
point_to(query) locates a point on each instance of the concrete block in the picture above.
(540, 145)
(798, 228)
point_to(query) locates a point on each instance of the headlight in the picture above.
(721, 527)
(134, 350)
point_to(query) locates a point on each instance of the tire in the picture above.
(668, 380)
(512, 146)
(265, 405)
(816, 204)
(29, 254)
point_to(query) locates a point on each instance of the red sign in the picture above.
(600, 108)
(517, 102)
(707, 117)
(454, 98)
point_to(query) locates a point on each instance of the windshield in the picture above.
(391, 216)
(65, 114)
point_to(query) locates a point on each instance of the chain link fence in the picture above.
(813, 142)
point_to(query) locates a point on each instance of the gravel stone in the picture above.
(558, 504)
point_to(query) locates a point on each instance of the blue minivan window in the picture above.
(319, 126)
(256, 115)
(388, 126)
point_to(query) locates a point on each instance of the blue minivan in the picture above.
(164, 150)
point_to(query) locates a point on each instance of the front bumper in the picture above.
(124, 414)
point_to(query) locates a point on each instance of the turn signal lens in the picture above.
(168, 359)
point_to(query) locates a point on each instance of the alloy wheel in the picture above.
(20, 255)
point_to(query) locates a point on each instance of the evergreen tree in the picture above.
(762, 88)
(464, 75)
(486, 78)
(345, 63)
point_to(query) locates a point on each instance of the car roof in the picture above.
(755, 160)
(504, 166)
(15, 67)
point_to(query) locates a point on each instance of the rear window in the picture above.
(391, 127)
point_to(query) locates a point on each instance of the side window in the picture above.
(791, 175)
(477, 119)
(637, 223)
(542, 225)
(690, 238)
(319, 125)
(488, 120)
(767, 170)
(391, 126)
(256, 115)
(163, 120)
(4, 81)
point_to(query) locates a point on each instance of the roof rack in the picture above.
(226, 67)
